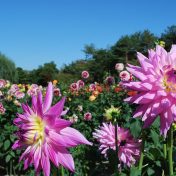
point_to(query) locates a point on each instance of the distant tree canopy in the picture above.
(42, 75)
(7, 69)
(24, 77)
(45, 73)
(169, 36)
(128, 45)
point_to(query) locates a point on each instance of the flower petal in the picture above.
(45, 165)
(48, 97)
(57, 109)
(66, 159)
(74, 136)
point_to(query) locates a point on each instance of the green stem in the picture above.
(170, 151)
(142, 153)
(165, 155)
(116, 146)
(165, 149)
(62, 171)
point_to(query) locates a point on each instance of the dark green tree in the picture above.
(127, 46)
(169, 36)
(44, 74)
(24, 77)
(89, 50)
(8, 69)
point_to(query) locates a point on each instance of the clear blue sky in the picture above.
(33, 32)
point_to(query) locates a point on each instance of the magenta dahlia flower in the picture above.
(2, 109)
(156, 87)
(87, 116)
(85, 74)
(110, 80)
(46, 136)
(80, 84)
(74, 87)
(128, 147)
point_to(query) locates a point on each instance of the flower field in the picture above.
(123, 126)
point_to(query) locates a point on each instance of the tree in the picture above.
(169, 36)
(24, 77)
(45, 73)
(8, 69)
(127, 46)
(89, 50)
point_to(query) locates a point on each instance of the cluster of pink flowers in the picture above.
(76, 86)
(34, 89)
(16, 92)
(128, 147)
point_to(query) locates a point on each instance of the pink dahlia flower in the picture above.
(119, 66)
(46, 136)
(125, 76)
(109, 80)
(57, 92)
(19, 95)
(74, 87)
(80, 84)
(128, 147)
(87, 116)
(2, 83)
(92, 87)
(2, 109)
(85, 74)
(156, 87)
(13, 89)
(34, 89)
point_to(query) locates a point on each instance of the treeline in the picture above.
(98, 62)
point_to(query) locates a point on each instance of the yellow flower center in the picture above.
(35, 133)
(169, 81)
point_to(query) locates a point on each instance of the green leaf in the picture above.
(155, 137)
(12, 153)
(135, 127)
(135, 171)
(7, 159)
(150, 171)
(6, 144)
